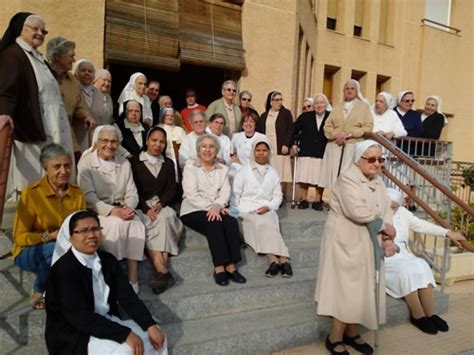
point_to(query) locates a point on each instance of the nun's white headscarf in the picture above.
(326, 101)
(265, 140)
(361, 147)
(388, 98)
(401, 94)
(128, 92)
(96, 135)
(395, 195)
(62, 241)
(359, 93)
(438, 106)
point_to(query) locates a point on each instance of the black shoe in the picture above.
(362, 348)
(221, 278)
(303, 205)
(236, 277)
(272, 270)
(317, 206)
(286, 270)
(425, 324)
(440, 323)
(412, 208)
(161, 282)
(330, 346)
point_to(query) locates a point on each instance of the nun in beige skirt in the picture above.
(345, 126)
(257, 196)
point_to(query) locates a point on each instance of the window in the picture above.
(331, 21)
(438, 11)
(328, 83)
(361, 77)
(358, 17)
(382, 84)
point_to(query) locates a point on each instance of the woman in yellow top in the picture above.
(42, 209)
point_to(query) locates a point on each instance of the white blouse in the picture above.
(203, 189)
(187, 150)
(388, 122)
(256, 186)
(242, 145)
(224, 152)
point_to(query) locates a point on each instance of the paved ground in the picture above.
(406, 339)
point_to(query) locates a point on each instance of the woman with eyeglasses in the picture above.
(30, 99)
(410, 118)
(245, 103)
(345, 126)
(42, 208)
(107, 181)
(85, 288)
(206, 194)
(277, 124)
(308, 104)
(346, 275)
(311, 142)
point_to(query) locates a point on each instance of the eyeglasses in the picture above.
(153, 89)
(308, 107)
(207, 146)
(372, 160)
(37, 29)
(85, 231)
(409, 101)
(280, 99)
(198, 122)
(107, 141)
(246, 99)
(230, 90)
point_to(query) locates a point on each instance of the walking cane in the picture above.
(340, 161)
(374, 230)
(295, 167)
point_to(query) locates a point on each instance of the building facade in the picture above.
(298, 47)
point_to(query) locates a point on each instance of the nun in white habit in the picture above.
(255, 198)
(82, 314)
(386, 121)
(135, 90)
(409, 276)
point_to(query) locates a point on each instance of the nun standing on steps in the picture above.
(346, 275)
(257, 196)
(84, 289)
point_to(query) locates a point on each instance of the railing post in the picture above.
(6, 143)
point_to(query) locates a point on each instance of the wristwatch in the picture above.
(46, 237)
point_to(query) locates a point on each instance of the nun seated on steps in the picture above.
(84, 289)
(256, 197)
(409, 276)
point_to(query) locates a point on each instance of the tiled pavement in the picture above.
(407, 340)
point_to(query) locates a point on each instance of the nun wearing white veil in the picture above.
(256, 194)
(432, 118)
(345, 126)
(107, 181)
(84, 289)
(135, 90)
(409, 276)
(386, 121)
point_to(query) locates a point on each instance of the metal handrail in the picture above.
(440, 220)
(6, 144)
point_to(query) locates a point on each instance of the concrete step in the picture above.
(196, 262)
(268, 329)
(199, 299)
(193, 263)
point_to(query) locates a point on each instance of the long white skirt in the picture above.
(331, 161)
(308, 170)
(98, 346)
(123, 239)
(405, 273)
(282, 164)
(164, 233)
(262, 233)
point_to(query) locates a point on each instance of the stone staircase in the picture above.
(200, 317)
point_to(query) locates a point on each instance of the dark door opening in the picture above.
(206, 81)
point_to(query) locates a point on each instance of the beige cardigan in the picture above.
(100, 194)
(358, 122)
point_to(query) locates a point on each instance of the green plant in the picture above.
(463, 222)
(468, 175)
